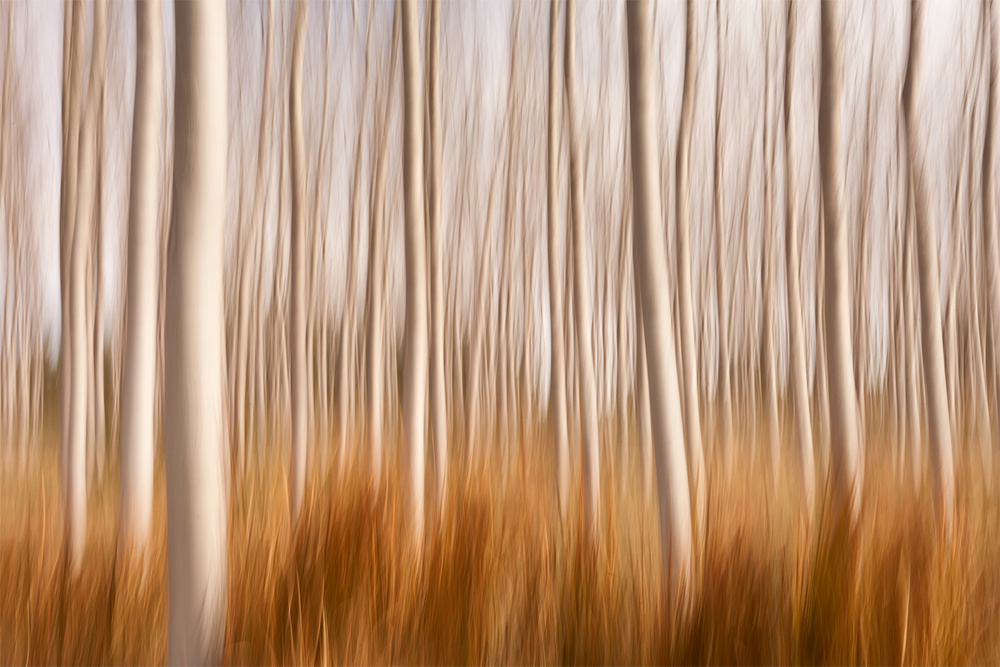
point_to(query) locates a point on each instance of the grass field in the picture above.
(500, 579)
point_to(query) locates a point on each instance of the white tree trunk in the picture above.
(932, 345)
(72, 489)
(557, 381)
(194, 428)
(914, 388)
(990, 204)
(652, 282)
(415, 361)
(692, 413)
(81, 331)
(581, 291)
(299, 375)
(439, 415)
(845, 450)
(139, 385)
(796, 334)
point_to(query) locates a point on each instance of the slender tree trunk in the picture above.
(299, 375)
(81, 255)
(72, 491)
(643, 413)
(347, 337)
(439, 414)
(194, 427)
(415, 361)
(990, 204)
(689, 354)
(914, 387)
(100, 425)
(724, 393)
(581, 292)
(139, 384)
(845, 449)
(771, 211)
(376, 335)
(557, 382)
(796, 334)
(939, 425)
(479, 332)
(652, 283)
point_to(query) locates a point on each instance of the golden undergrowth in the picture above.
(499, 578)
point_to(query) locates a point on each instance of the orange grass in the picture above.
(500, 579)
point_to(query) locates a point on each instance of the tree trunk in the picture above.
(73, 492)
(914, 387)
(652, 283)
(299, 375)
(81, 331)
(643, 414)
(845, 450)
(724, 393)
(415, 361)
(557, 375)
(939, 426)
(692, 413)
(990, 203)
(139, 384)
(194, 427)
(581, 291)
(796, 334)
(439, 414)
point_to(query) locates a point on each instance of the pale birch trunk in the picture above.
(299, 372)
(932, 346)
(724, 394)
(415, 360)
(194, 427)
(375, 343)
(80, 262)
(479, 329)
(689, 354)
(139, 385)
(72, 491)
(439, 414)
(347, 336)
(652, 283)
(796, 333)
(845, 467)
(557, 381)
(581, 291)
(990, 204)
(914, 387)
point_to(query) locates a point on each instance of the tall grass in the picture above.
(499, 578)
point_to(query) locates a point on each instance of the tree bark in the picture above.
(299, 375)
(139, 386)
(990, 203)
(80, 262)
(194, 427)
(845, 449)
(932, 346)
(581, 291)
(439, 415)
(692, 413)
(652, 283)
(796, 334)
(415, 361)
(557, 381)
(74, 493)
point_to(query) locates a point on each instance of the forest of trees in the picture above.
(640, 245)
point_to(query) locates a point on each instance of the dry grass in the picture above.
(501, 580)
